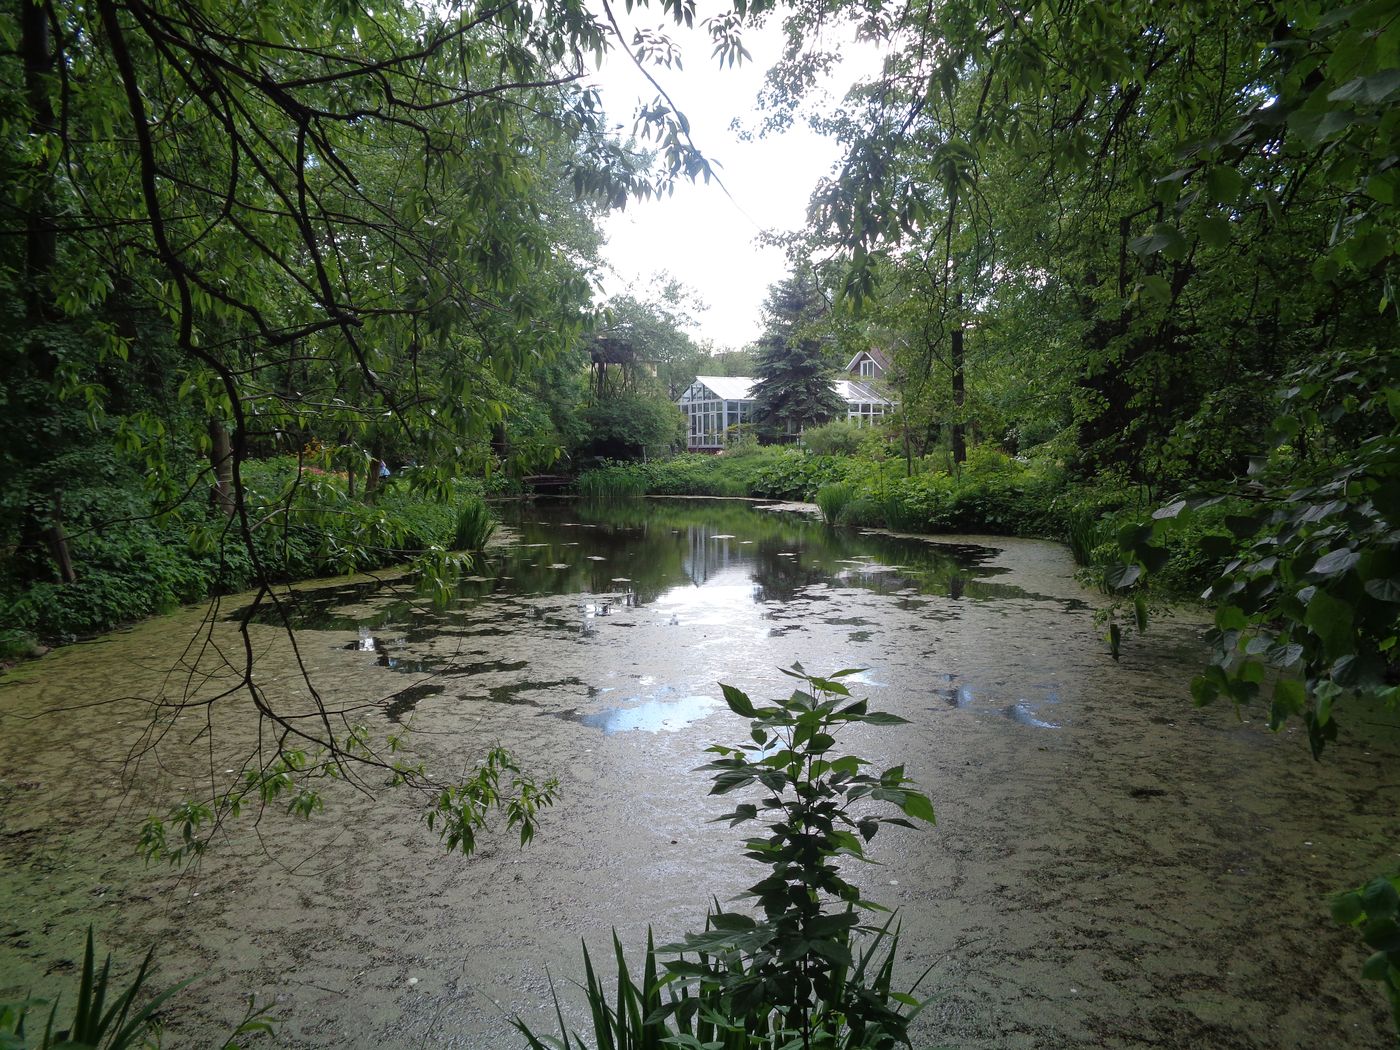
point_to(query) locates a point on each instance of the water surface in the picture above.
(1111, 867)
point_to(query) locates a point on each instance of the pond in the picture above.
(1111, 867)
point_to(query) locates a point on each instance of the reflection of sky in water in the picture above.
(1028, 712)
(713, 603)
(715, 579)
(652, 716)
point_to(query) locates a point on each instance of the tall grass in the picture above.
(1082, 534)
(475, 525)
(611, 484)
(834, 499)
(100, 1024)
(683, 1004)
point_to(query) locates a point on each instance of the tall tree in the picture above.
(793, 368)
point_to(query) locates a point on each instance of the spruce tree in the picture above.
(794, 373)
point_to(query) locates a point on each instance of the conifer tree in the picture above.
(793, 369)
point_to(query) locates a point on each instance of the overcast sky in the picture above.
(700, 235)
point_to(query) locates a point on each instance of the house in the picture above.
(869, 364)
(717, 406)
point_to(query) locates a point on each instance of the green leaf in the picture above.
(918, 806)
(1223, 184)
(1335, 562)
(1372, 90)
(1331, 620)
(1380, 898)
(1215, 231)
(1385, 589)
(1377, 967)
(1347, 907)
(1121, 576)
(738, 701)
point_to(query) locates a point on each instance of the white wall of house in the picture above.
(717, 408)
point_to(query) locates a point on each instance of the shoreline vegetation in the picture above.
(309, 526)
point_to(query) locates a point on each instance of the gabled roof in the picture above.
(729, 388)
(875, 354)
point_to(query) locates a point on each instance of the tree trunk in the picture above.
(959, 388)
(41, 246)
(372, 479)
(221, 459)
(58, 543)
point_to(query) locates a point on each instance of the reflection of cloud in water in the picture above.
(722, 597)
(652, 716)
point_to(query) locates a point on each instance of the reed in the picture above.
(834, 499)
(475, 525)
(611, 484)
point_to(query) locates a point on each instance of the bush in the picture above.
(842, 438)
(133, 562)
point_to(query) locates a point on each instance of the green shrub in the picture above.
(803, 971)
(842, 438)
(132, 562)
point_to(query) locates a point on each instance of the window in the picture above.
(867, 368)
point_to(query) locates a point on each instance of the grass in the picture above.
(834, 499)
(475, 526)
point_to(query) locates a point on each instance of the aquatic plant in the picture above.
(803, 972)
(98, 1025)
(1082, 533)
(612, 483)
(834, 499)
(475, 525)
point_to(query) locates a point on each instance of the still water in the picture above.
(1111, 867)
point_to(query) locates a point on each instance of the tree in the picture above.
(792, 368)
(314, 229)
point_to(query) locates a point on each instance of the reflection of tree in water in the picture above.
(782, 568)
(646, 548)
(659, 544)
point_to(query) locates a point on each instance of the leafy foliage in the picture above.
(803, 972)
(126, 1022)
(1306, 610)
(1375, 910)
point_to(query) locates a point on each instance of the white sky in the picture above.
(699, 235)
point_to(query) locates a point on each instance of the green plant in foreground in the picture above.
(98, 1025)
(803, 972)
(1375, 910)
